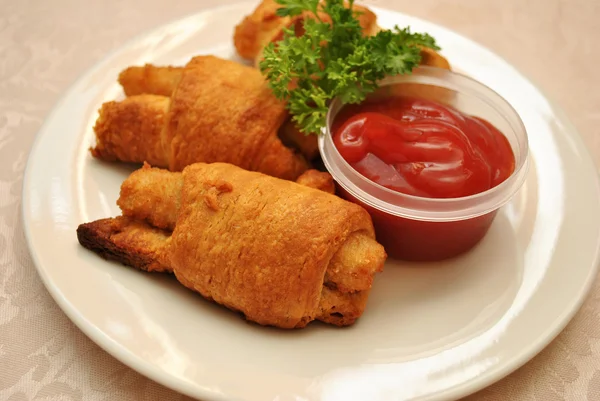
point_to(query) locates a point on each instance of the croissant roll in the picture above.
(281, 253)
(220, 111)
(223, 111)
(143, 247)
(264, 26)
(157, 80)
(266, 244)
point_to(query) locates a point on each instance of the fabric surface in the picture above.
(45, 45)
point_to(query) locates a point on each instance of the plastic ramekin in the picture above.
(427, 229)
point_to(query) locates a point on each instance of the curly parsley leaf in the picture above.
(334, 59)
(292, 8)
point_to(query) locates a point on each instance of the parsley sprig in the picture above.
(334, 59)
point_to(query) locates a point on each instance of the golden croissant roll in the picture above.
(264, 26)
(219, 111)
(140, 81)
(281, 253)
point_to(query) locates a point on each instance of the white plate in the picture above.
(434, 331)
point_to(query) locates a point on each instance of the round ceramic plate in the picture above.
(430, 331)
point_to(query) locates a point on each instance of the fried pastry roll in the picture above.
(264, 26)
(281, 253)
(220, 111)
(157, 80)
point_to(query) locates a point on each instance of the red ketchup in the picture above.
(423, 148)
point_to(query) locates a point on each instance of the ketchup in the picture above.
(426, 149)
(423, 148)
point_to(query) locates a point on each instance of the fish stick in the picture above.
(281, 253)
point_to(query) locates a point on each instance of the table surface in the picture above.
(45, 45)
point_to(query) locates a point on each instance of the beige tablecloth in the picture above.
(46, 44)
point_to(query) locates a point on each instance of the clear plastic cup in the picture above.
(426, 229)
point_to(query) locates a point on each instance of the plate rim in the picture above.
(179, 385)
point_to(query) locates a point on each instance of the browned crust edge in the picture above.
(97, 236)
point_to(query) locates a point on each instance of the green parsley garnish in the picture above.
(334, 59)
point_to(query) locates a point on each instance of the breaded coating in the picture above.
(128, 241)
(283, 254)
(220, 111)
(131, 130)
(150, 79)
